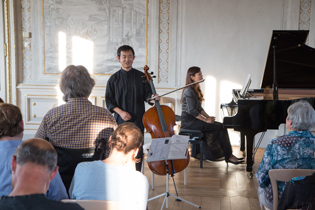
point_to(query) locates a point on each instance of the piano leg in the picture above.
(250, 135)
(242, 147)
(249, 149)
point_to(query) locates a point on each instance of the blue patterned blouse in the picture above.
(294, 150)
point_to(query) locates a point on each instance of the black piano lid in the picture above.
(295, 61)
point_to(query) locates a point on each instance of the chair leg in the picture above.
(152, 180)
(142, 167)
(185, 176)
(201, 153)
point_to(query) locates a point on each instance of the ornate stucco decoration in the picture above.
(305, 15)
(27, 47)
(164, 40)
(8, 42)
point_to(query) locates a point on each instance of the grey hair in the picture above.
(302, 116)
(76, 82)
(30, 152)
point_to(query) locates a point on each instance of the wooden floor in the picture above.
(216, 186)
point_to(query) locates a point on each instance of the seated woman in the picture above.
(217, 144)
(115, 178)
(293, 150)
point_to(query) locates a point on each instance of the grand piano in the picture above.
(290, 72)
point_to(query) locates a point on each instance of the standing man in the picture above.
(126, 93)
(33, 165)
(73, 127)
(11, 134)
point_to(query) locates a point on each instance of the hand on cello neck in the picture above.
(154, 98)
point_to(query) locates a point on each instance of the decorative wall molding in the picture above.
(36, 106)
(3, 93)
(8, 49)
(27, 41)
(164, 41)
(305, 16)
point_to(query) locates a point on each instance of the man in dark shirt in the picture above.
(126, 92)
(33, 165)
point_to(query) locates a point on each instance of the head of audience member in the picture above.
(301, 116)
(1, 101)
(11, 123)
(125, 143)
(194, 74)
(126, 56)
(33, 165)
(76, 82)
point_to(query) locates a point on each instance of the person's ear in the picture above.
(13, 164)
(54, 173)
(191, 77)
(136, 152)
(110, 141)
(118, 58)
(290, 124)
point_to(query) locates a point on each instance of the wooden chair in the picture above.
(171, 103)
(284, 175)
(94, 204)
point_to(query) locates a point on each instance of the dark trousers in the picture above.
(217, 142)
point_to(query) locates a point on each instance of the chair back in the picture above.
(68, 159)
(94, 204)
(284, 175)
(168, 101)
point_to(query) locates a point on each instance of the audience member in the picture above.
(293, 150)
(33, 165)
(115, 178)
(73, 128)
(11, 134)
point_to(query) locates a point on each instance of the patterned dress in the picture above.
(294, 150)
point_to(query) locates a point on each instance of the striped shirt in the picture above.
(76, 124)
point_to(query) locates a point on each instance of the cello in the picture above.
(159, 122)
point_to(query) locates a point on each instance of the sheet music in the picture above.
(158, 149)
(168, 148)
(245, 86)
(178, 147)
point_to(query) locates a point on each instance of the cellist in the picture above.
(126, 93)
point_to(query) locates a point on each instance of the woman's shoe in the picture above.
(240, 158)
(235, 163)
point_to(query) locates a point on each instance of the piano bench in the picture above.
(195, 137)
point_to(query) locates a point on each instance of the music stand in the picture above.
(168, 149)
